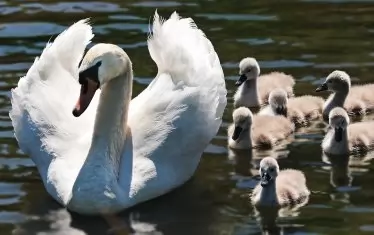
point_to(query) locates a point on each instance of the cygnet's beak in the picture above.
(322, 87)
(265, 179)
(338, 134)
(241, 79)
(281, 111)
(88, 89)
(237, 132)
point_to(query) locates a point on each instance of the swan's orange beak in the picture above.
(88, 89)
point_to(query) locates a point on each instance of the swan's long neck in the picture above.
(245, 139)
(330, 145)
(251, 89)
(269, 194)
(336, 100)
(109, 133)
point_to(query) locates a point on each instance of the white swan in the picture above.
(128, 153)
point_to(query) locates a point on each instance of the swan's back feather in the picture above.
(267, 131)
(273, 80)
(301, 110)
(361, 136)
(360, 99)
(291, 187)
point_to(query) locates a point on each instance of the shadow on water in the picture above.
(307, 39)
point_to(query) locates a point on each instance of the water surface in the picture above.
(307, 39)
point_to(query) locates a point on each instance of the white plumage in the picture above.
(169, 124)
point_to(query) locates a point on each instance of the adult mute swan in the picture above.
(107, 153)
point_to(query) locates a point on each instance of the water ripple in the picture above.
(238, 17)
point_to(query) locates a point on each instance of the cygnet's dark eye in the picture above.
(271, 169)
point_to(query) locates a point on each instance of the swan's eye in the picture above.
(271, 169)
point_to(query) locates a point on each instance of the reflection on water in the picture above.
(307, 39)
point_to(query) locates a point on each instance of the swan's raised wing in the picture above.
(180, 112)
(43, 100)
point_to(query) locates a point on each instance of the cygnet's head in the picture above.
(338, 120)
(269, 170)
(278, 101)
(102, 63)
(242, 120)
(248, 69)
(336, 81)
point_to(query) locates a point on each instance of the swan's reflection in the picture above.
(246, 161)
(268, 217)
(188, 210)
(342, 168)
(241, 159)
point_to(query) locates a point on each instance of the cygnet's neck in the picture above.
(250, 93)
(337, 99)
(245, 137)
(109, 133)
(330, 145)
(269, 194)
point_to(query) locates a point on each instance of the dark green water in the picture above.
(307, 39)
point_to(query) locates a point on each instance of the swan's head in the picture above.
(242, 121)
(278, 101)
(102, 63)
(269, 170)
(336, 81)
(338, 120)
(248, 69)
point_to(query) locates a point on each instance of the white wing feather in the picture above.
(43, 100)
(180, 112)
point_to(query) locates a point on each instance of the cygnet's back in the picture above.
(253, 131)
(344, 138)
(300, 110)
(279, 188)
(357, 100)
(267, 131)
(254, 89)
(274, 80)
(304, 109)
(360, 100)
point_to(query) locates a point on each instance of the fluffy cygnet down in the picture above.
(250, 131)
(279, 188)
(253, 89)
(342, 138)
(357, 100)
(300, 110)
